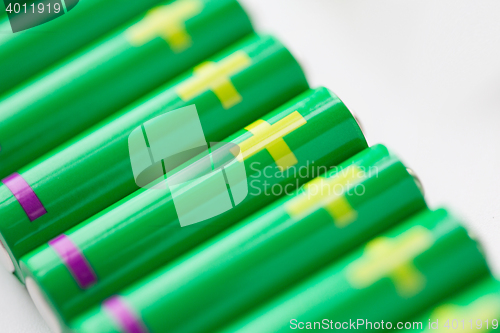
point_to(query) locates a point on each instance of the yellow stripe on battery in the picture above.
(392, 258)
(167, 22)
(328, 193)
(483, 309)
(270, 137)
(215, 76)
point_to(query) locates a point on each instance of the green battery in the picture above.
(273, 249)
(393, 277)
(94, 170)
(27, 53)
(111, 74)
(3, 13)
(475, 309)
(284, 149)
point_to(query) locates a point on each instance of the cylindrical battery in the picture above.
(393, 277)
(50, 109)
(26, 53)
(94, 171)
(476, 308)
(3, 14)
(284, 149)
(275, 248)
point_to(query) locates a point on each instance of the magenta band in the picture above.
(25, 196)
(124, 316)
(74, 260)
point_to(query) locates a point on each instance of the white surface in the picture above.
(424, 79)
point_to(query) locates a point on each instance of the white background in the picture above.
(424, 79)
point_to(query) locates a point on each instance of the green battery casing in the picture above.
(315, 127)
(3, 13)
(273, 249)
(93, 171)
(86, 88)
(392, 278)
(475, 308)
(27, 53)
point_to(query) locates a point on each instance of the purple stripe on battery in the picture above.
(124, 316)
(74, 260)
(25, 196)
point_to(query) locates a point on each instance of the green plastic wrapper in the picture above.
(93, 171)
(289, 146)
(3, 13)
(109, 75)
(270, 251)
(477, 309)
(26, 53)
(391, 278)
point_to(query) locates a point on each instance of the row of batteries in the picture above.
(99, 254)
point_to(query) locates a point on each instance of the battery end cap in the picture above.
(42, 306)
(6, 260)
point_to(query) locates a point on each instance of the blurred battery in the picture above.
(86, 88)
(477, 308)
(94, 171)
(3, 13)
(26, 53)
(306, 136)
(392, 278)
(275, 248)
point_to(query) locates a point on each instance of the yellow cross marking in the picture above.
(215, 76)
(167, 22)
(483, 308)
(328, 193)
(392, 258)
(270, 137)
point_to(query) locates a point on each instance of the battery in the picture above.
(274, 248)
(100, 80)
(475, 308)
(94, 171)
(284, 149)
(391, 278)
(3, 14)
(26, 53)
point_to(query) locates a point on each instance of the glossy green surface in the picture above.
(86, 88)
(267, 253)
(476, 308)
(3, 13)
(93, 171)
(28, 52)
(434, 259)
(142, 232)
